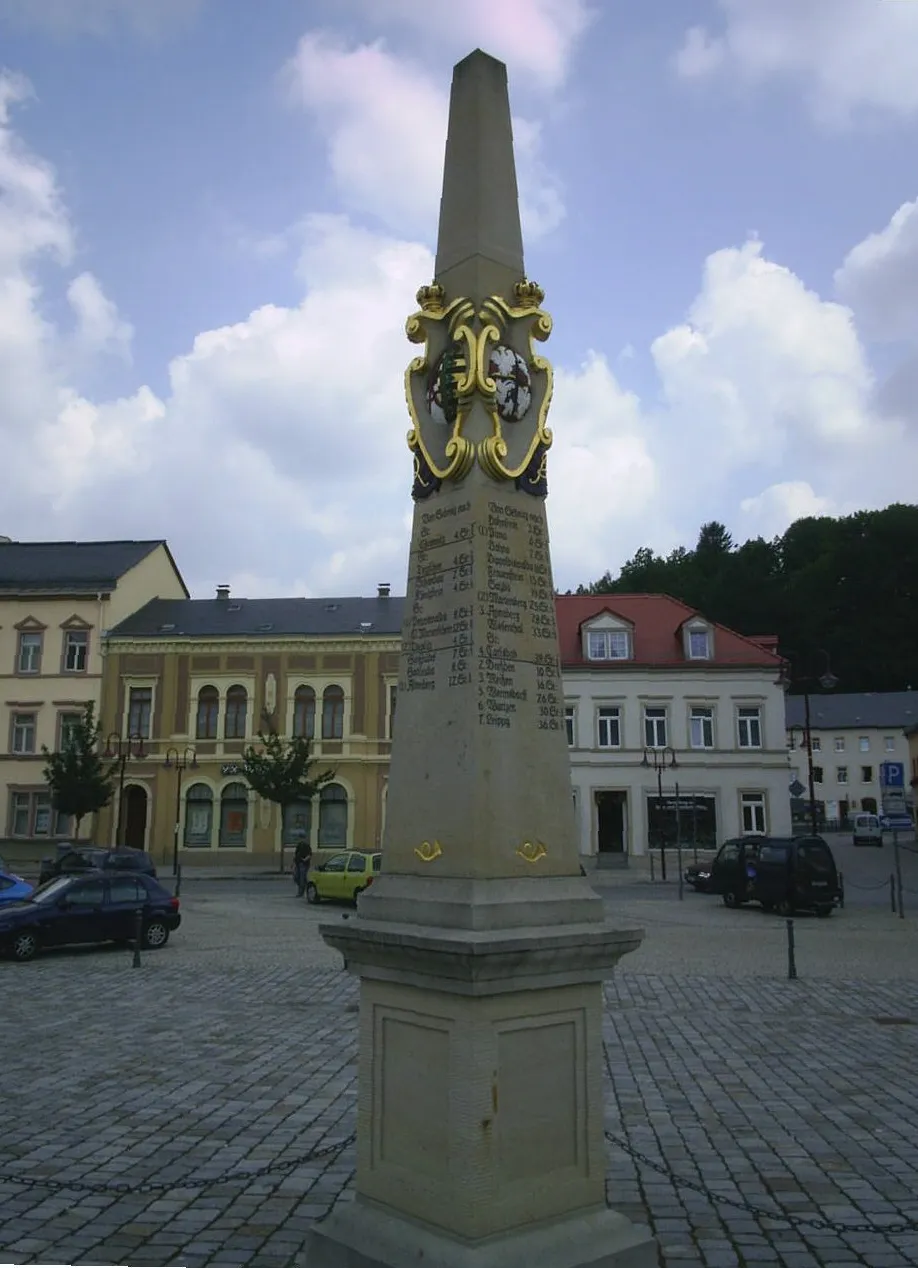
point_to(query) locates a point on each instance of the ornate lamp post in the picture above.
(827, 681)
(660, 759)
(120, 748)
(179, 762)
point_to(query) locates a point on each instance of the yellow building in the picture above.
(57, 600)
(194, 680)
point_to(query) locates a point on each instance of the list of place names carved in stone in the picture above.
(481, 613)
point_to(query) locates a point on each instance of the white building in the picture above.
(853, 734)
(647, 678)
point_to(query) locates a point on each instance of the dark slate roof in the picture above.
(893, 709)
(269, 618)
(71, 566)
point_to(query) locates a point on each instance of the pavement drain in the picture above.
(893, 1021)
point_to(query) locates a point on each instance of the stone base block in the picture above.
(361, 1235)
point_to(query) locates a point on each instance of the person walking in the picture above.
(302, 857)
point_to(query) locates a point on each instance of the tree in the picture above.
(281, 771)
(79, 779)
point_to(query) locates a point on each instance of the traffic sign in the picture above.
(892, 774)
(796, 789)
(896, 823)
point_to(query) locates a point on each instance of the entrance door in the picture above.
(610, 822)
(135, 816)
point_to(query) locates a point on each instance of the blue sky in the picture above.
(214, 217)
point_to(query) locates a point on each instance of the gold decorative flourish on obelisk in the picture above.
(496, 314)
(532, 851)
(434, 312)
(427, 851)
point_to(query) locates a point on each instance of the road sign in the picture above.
(797, 789)
(892, 774)
(896, 823)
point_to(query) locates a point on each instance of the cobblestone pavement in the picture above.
(739, 1096)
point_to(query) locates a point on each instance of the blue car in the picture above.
(13, 889)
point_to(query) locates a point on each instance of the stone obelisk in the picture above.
(481, 949)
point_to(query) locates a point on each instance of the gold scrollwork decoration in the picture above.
(460, 453)
(494, 315)
(532, 851)
(427, 851)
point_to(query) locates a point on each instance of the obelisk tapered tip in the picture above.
(479, 209)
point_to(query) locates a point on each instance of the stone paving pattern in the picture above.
(232, 1049)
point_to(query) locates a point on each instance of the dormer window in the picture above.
(609, 645)
(698, 641)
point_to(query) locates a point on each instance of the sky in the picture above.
(215, 214)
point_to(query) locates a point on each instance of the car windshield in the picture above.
(50, 890)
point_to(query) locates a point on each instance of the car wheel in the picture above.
(785, 907)
(312, 894)
(768, 906)
(823, 911)
(731, 900)
(25, 945)
(155, 935)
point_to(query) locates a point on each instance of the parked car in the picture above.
(93, 907)
(342, 877)
(71, 859)
(699, 875)
(867, 830)
(782, 874)
(13, 889)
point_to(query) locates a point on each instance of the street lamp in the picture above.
(179, 762)
(660, 759)
(120, 748)
(827, 681)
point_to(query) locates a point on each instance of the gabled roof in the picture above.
(72, 567)
(657, 622)
(892, 709)
(264, 618)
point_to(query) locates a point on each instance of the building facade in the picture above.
(852, 735)
(57, 600)
(648, 680)
(190, 683)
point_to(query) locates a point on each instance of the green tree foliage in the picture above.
(281, 770)
(80, 781)
(847, 585)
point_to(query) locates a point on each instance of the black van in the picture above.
(783, 874)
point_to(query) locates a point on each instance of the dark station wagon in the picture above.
(782, 874)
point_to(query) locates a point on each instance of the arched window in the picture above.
(234, 815)
(199, 816)
(298, 822)
(236, 704)
(208, 712)
(304, 712)
(333, 815)
(332, 713)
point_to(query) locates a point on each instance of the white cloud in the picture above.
(536, 38)
(99, 326)
(772, 510)
(384, 120)
(148, 18)
(879, 278)
(846, 54)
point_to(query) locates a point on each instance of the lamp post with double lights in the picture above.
(660, 759)
(827, 681)
(179, 761)
(120, 748)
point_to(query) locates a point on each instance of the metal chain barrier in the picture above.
(777, 1215)
(231, 1176)
(884, 884)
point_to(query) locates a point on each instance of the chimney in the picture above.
(382, 591)
(223, 592)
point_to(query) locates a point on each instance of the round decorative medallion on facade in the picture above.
(442, 394)
(514, 387)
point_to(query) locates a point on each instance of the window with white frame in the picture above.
(654, 726)
(749, 726)
(701, 726)
(76, 651)
(31, 815)
(841, 774)
(699, 643)
(816, 744)
(140, 708)
(817, 774)
(608, 645)
(863, 743)
(753, 813)
(28, 654)
(889, 743)
(839, 744)
(570, 723)
(22, 733)
(69, 725)
(609, 725)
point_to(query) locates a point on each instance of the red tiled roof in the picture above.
(657, 622)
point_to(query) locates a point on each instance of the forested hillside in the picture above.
(848, 585)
